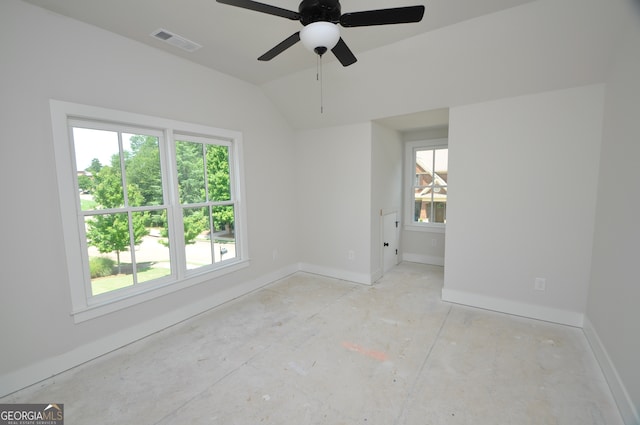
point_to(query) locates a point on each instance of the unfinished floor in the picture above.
(313, 350)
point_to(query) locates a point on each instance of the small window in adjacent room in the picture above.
(149, 205)
(427, 174)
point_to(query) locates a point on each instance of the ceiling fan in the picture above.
(320, 19)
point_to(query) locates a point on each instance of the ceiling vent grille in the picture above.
(176, 40)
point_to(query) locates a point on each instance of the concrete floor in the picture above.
(314, 350)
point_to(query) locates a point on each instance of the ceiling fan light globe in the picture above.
(320, 34)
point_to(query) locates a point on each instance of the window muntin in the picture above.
(122, 147)
(427, 173)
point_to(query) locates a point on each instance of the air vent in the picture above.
(176, 40)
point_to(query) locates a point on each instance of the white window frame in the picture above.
(410, 174)
(84, 305)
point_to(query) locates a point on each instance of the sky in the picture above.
(90, 144)
(100, 144)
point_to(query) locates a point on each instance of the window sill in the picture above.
(430, 228)
(106, 307)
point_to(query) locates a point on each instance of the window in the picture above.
(427, 175)
(149, 205)
(206, 202)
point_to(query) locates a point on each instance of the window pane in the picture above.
(197, 237)
(190, 169)
(441, 166)
(142, 169)
(96, 152)
(152, 256)
(422, 204)
(417, 210)
(440, 211)
(107, 241)
(224, 233)
(207, 245)
(424, 167)
(218, 173)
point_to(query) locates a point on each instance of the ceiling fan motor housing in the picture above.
(320, 19)
(319, 10)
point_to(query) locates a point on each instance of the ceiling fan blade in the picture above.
(398, 15)
(284, 45)
(343, 53)
(264, 8)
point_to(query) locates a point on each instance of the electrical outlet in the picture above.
(275, 254)
(351, 255)
(540, 284)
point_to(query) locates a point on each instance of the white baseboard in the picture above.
(515, 308)
(626, 407)
(423, 259)
(377, 275)
(49, 367)
(362, 278)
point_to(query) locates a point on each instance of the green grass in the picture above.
(113, 282)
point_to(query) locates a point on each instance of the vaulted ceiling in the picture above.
(463, 51)
(233, 38)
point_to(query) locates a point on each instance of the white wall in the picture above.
(333, 187)
(423, 247)
(613, 316)
(523, 173)
(46, 56)
(386, 187)
(346, 176)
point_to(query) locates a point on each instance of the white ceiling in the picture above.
(232, 38)
(463, 52)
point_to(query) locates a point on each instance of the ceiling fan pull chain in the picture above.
(319, 78)
(321, 91)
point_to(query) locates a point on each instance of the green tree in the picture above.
(191, 158)
(190, 166)
(85, 183)
(86, 180)
(110, 232)
(108, 192)
(218, 173)
(95, 166)
(220, 185)
(194, 222)
(142, 167)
